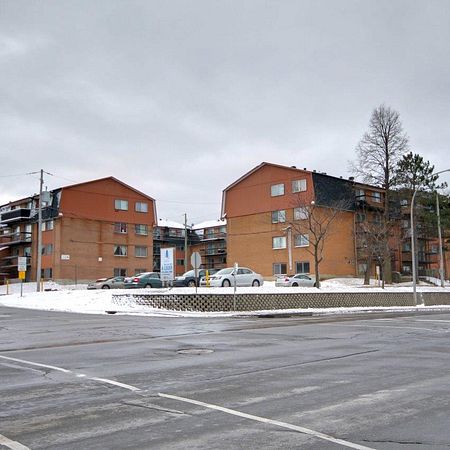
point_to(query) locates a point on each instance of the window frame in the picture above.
(282, 239)
(301, 236)
(138, 209)
(119, 227)
(281, 272)
(299, 185)
(140, 247)
(279, 216)
(274, 190)
(120, 204)
(117, 246)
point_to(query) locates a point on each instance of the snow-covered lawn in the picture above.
(79, 299)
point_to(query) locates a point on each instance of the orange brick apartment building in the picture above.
(94, 229)
(260, 206)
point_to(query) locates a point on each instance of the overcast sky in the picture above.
(181, 98)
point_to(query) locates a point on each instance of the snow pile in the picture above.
(76, 298)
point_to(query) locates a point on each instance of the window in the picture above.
(298, 186)
(47, 226)
(120, 272)
(301, 213)
(360, 194)
(279, 216)
(301, 240)
(180, 262)
(376, 197)
(121, 205)
(360, 217)
(406, 247)
(141, 207)
(362, 267)
(120, 250)
(140, 251)
(141, 229)
(279, 242)
(302, 267)
(279, 268)
(27, 252)
(404, 202)
(47, 249)
(180, 247)
(46, 273)
(277, 189)
(120, 227)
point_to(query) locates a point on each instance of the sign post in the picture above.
(22, 269)
(196, 262)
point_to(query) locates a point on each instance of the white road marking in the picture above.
(116, 383)
(13, 445)
(289, 426)
(79, 375)
(36, 364)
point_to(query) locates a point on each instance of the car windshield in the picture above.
(225, 271)
(189, 273)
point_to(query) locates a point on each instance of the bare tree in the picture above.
(314, 225)
(378, 153)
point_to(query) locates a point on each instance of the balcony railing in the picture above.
(15, 215)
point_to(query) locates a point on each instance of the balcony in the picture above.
(14, 239)
(211, 251)
(15, 215)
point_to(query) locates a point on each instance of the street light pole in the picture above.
(413, 252)
(441, 256)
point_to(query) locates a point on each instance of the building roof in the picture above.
(166, 223)
(209, 224)
(108, 178)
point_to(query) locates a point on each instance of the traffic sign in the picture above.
(22, 264)
(196, 260)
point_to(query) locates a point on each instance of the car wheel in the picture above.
(255, 283)
(315, 284)
(294, 284)
(226, 283)
(148, 285)
(105, 286)
(191, 283)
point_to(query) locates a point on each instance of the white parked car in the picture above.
(299, 279)
(227, 277)
(107, 283)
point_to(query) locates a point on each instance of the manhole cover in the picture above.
(195, 351)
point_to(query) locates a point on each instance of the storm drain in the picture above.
(195, 351)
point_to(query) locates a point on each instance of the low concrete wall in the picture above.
(288, 300)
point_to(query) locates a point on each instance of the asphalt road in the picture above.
(71, 381)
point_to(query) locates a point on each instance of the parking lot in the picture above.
(72, 381)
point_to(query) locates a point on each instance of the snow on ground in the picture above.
(76, 298)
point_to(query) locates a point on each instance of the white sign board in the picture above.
(22, 264)
(167, 264)
(65, 257)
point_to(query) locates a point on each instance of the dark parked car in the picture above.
(143, 280)
(188, 278)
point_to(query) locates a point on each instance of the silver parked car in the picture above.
(107, 283)
(299, 279)
(226, 277)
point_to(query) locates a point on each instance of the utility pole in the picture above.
(185, 244)
(39, 245)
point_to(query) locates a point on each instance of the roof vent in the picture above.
(351, 178)
(314, 170)
(304, 168)
(293, 167)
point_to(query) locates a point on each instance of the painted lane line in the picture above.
(116, 383)
(13, 445)
(79, 375)
(36, 364)
(289, 426)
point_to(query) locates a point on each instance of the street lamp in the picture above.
(413, 250)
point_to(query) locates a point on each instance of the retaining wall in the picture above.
(288, 300)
